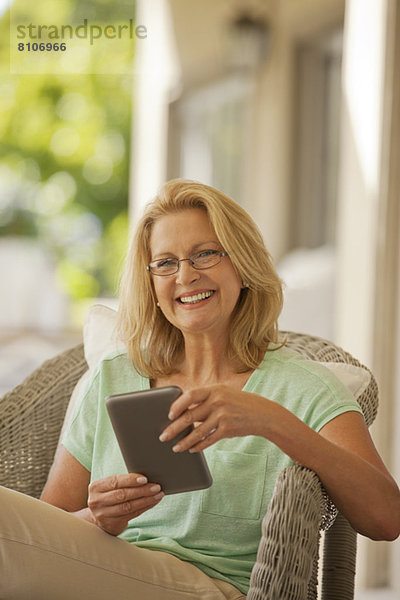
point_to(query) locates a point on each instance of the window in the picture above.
(316, 151)
(209, 135)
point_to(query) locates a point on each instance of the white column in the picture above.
(363, 67)
(156, 75)
(367, 238)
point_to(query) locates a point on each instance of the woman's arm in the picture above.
(108, 503)
(344, 457)
(342, 453)
(67, 485)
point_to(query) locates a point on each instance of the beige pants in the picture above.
(48, 554)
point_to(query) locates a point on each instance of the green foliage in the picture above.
(75, 281)
(64, 164)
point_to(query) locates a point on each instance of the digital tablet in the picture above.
(138, 418)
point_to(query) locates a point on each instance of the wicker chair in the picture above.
(31, 417)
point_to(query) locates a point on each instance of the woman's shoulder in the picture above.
(116, 357)
(284, 356)
(310, 389)
(116, 364)
(289, 364)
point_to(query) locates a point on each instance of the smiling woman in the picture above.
(185, 218)
(199, 306)
(200, 295)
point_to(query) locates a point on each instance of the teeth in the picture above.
(196, 298)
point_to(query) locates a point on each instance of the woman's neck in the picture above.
(206, 362)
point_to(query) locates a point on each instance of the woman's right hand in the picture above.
(115, 500)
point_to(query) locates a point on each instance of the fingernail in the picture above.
(176, 448)
(158, 496)
(155, 488)
(141, 479)
(163, 437)
(171, 415)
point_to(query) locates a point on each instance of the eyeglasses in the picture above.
(200, 260)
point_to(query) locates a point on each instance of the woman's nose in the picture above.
(187, 273)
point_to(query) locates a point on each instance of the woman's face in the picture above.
(180, 235)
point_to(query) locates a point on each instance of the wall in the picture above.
(197, 33)
(270, 184)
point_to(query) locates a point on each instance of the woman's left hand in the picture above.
(219, 411)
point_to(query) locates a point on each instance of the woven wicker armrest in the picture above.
(287, 559)
(31, 416)
(288, 551)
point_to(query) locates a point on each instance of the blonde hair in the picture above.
(153, 344)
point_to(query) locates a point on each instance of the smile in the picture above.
(196, 298)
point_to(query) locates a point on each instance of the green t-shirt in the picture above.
(217, 529)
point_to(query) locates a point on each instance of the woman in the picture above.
(199, 307)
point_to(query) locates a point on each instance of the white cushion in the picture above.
(356, 379)
(99, 336)
(99, 339)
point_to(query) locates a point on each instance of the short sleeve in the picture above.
(331, 398)
(79, 435)
(305, 387)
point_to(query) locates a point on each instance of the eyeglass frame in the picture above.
(179, 260)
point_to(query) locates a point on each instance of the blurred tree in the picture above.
(65, 164)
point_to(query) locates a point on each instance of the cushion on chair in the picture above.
(99, 339)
